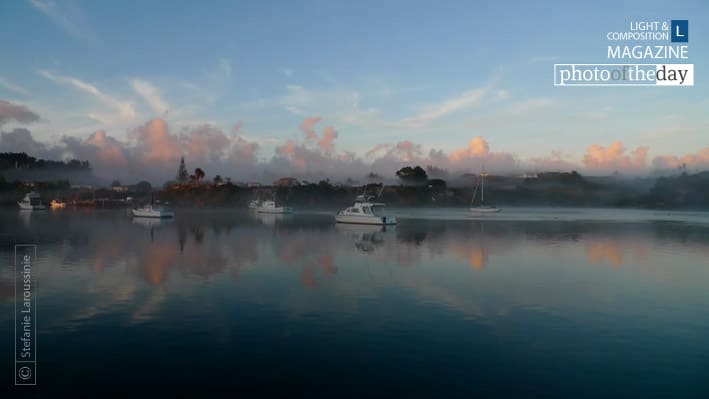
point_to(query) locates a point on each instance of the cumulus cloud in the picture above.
(327, 141)
(554, 162)
(307, 127)
(154, 143)
(18, 113)
(104, 150)
(615, 158)
(152, 152)
(477, 147)
(21, 140)
(697, 161)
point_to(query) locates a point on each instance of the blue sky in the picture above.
(433, 73)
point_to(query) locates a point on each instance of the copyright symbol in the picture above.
(24, 372)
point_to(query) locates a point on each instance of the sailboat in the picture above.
(482, 207)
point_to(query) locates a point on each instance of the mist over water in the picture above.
(532, 302)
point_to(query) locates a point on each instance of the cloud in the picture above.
(151, 95)
(68, 16)
(377, 150)
(18, 113)
(21, 140)
(697, 161)
(307, 127)
(155, 144)
(124, 109)
(14, 87)
(152, 151)
(345, 107)
(615, 158)
(449, 106)
(554, 162)
(103, 152)
(477, 147)
(327, 141)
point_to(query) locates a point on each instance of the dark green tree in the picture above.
(199, 174)
(414, 176)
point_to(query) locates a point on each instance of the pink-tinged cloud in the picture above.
(155, 144)
(615, 158)
(377, 150)
(477, 147)
(554, 162)
(18, 113)
(294, 153)
(204, 143)
(698, 161)
(242, 151)
(308, 127)
(109, 151)
(327, 141)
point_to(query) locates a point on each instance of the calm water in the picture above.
(528, 303)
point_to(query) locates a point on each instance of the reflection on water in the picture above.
(426, 306)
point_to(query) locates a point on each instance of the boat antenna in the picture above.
(381, 190)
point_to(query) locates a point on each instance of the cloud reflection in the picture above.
(144, 265)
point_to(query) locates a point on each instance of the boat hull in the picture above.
(152, 214)
(281, 210)
(366, 219)
(26, 207)
(485, 210)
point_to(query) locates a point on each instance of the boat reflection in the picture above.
(366, 237)
(151, 223)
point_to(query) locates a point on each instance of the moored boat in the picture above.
(152, 211)
(270, 207)
(365, 211)
(57, 203)
(31, 202)
(482, 207)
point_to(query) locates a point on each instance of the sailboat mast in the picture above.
(482, 188)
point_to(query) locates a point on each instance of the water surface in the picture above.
(531, 302)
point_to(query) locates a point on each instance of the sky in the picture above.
(258, 89)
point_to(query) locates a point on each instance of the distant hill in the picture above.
(23, 167)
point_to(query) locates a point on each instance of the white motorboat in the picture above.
(270, 207)
(365, 211)
(57, 203)
(152, 211)
(31, 202)
(482, 207)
